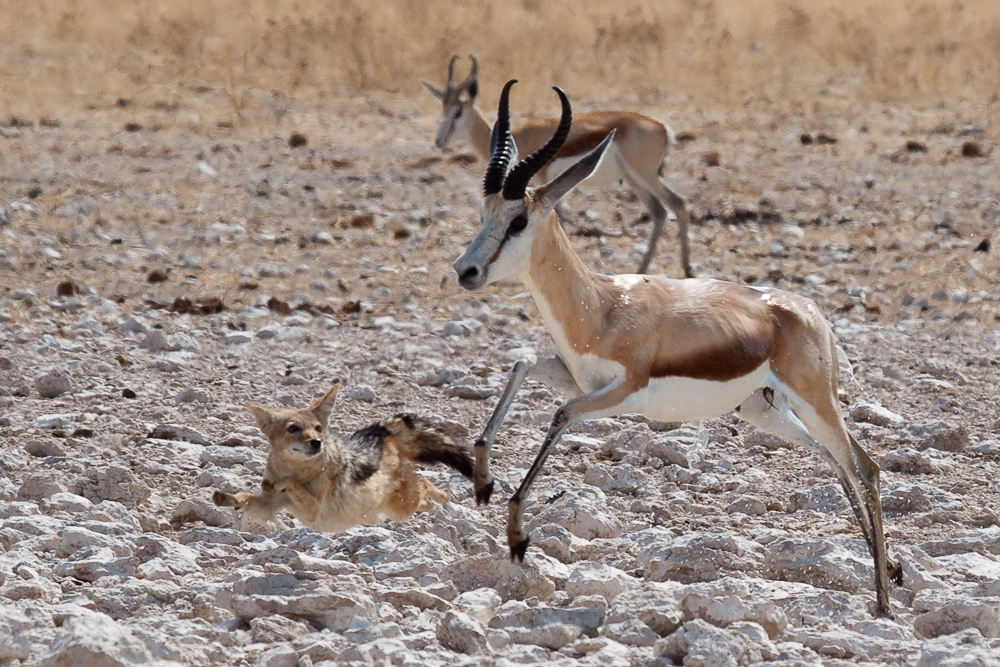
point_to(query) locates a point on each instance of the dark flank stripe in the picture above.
(720, 364)
(362, 471)
(365, 451)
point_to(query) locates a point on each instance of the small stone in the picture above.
(873, 413)
(54, 421)
(53, 383)
(95, 639)
(822, 498)
(747, 505)
(632, 632)
(362, 393)
(966, 648)
(178, 432)
(461, 633)
(192, 395)
(945, 437)
(469, 392)
(238, 337)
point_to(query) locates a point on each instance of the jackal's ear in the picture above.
(262, 415)
(323, 406)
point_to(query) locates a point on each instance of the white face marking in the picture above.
(514, 256)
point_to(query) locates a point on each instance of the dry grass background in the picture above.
(54, 52)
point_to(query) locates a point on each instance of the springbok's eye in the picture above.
(294, 428)
(518, 224)
(458, 114)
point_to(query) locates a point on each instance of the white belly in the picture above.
(688, 399)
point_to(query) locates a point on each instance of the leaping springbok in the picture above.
(636, 156)
(672, 350)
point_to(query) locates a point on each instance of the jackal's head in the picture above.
(296, 434)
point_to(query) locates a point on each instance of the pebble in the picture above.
(53, 383)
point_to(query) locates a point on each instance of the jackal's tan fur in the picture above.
(333, 484)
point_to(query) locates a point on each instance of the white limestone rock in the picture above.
(336, 604)
(461, 633)
(481, 604)
(98, 640)
(590, 578)
(692, 558)
(698, 643)
(538, 576)
(966, 648)
(941, 613)
(582, 511)
(515, 614)
(653, 604)
(820, 562)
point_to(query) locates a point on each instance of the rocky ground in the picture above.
(158, 269)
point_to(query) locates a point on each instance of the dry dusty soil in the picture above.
(159, 268)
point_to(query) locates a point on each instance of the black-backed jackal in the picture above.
(332, 484)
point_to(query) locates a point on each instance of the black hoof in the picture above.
(483, 494)
(884, 612)
(518, 550)
(896, 572)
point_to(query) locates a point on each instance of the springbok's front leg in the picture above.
(551, 372)
(601, 403)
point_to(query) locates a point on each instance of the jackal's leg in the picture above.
(265, 506)
(302, 504)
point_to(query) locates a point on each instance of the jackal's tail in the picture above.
(419, 441)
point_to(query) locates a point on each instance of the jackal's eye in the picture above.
(518, 224)
(294, 428)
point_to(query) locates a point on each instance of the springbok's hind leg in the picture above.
(772, 411)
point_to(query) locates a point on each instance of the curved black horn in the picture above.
(451, 72)
(517, 180)
(500, 145)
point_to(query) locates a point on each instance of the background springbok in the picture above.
(636, 156)
(673, 350)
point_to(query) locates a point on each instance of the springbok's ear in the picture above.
(473, 90)
(261, 414)
(323, 406)
(435, 91)
(555, 189)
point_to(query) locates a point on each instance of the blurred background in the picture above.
(54, 52)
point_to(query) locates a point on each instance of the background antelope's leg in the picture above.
(775, 414)
(677, 204)
(601, 403)
(658, 214)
